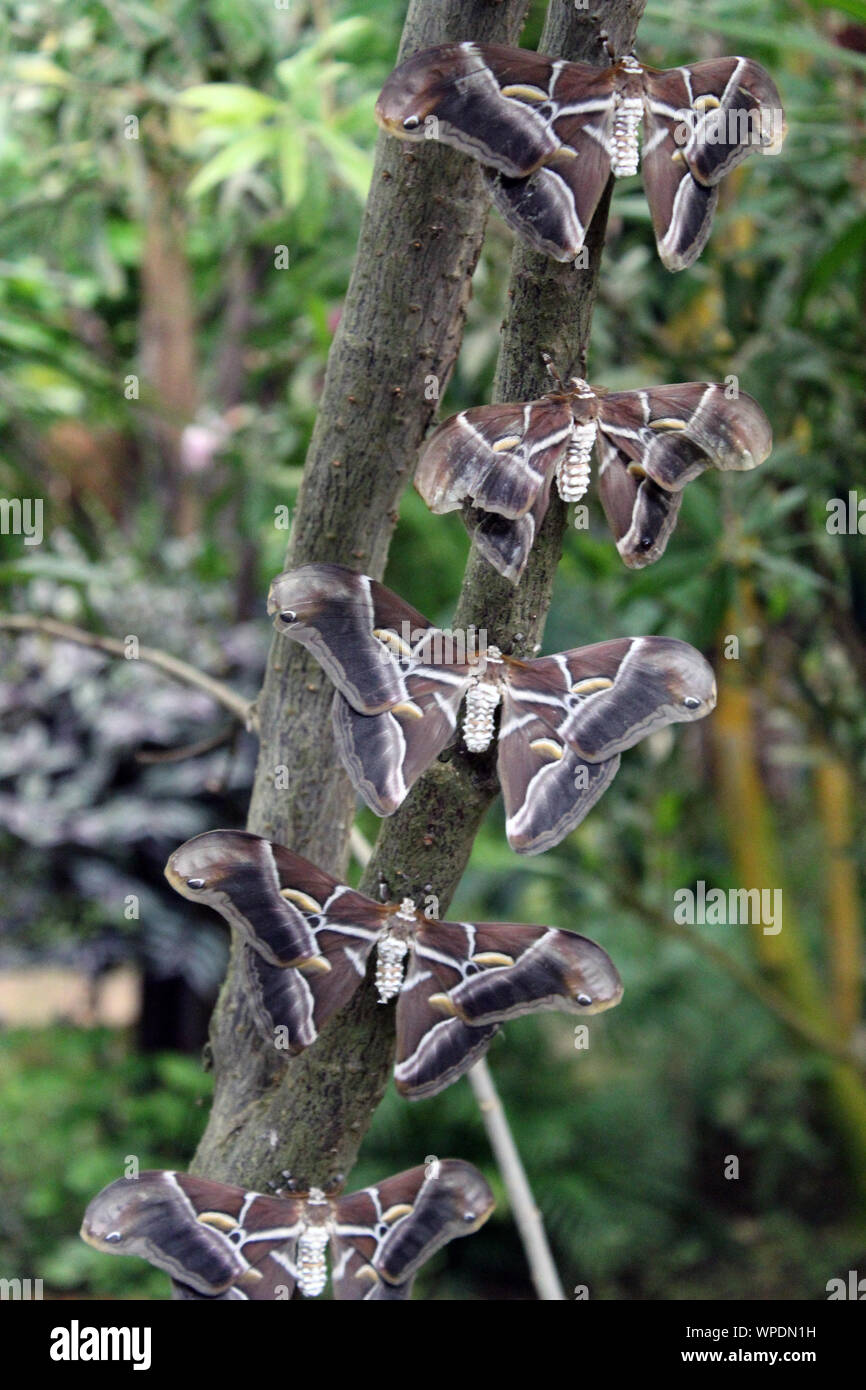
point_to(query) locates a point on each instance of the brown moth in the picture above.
(551, 133)
(504, 459)
(222, 1242)
(454, 982)
(559, 723)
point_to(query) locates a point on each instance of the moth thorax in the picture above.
(625, 155)
(311, 1265)
(573, 470)
(481, 701)
(390, 954)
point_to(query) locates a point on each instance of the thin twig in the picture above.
(527, 1217)
(243, 710)
(189, 750)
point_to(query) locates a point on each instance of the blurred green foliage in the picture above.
(75, 1108)
(261, 121)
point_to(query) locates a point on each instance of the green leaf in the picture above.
(39, 71)
(228, 103)
(292, 153)
(305, 65)
(236, 158)
(850, 241)
(354, 166)
(857, 8)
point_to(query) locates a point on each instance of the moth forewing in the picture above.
(237, 875)
(157, 1216)
(738, 111)
(550, 970)
(696, 425)
(452, 1199)
(499, 457)
(650, 682)
(486, 100)
(336, 613)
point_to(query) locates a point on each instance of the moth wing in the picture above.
(452, 1199)
(681, 207)
(433, 1049)
(384, 754)
(392, 1229)
(602, 699)
(740, 111)
(355, 1279)
(241, 877)
(553, 207)
(640, 514)
(547, 787)
(674, 433)
(214, 1239)
(346, 926)
(506, 544)
(364, 1221)
(279, 999)
(486, 100)
(498, 456)
(548, 969)
(336, 613)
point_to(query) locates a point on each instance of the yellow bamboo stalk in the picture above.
(834, 796)
(758, 864)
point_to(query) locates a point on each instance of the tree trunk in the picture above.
(402, 321)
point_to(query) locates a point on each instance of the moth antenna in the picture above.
(551, 367)
(609, 49)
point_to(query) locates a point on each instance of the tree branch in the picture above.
(309, 1116)
(527, 1217)
(243, 710)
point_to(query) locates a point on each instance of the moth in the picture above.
(504, 459)
(217, 1241)
(551, 133)
(563, 720)
(454, 982)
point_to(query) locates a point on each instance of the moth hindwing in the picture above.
(550, 133)
(536, 712)
(221, 1242)
(503, 459)
(454, 982)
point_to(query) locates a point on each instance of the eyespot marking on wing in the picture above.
(493, 958)
(408, 709)
(394, 1213)
(547, 748)
(393, 641)
(302, 900)
(667, 422)
(218, 1219)
(591, 685)
(524, 90)
(509, 442)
